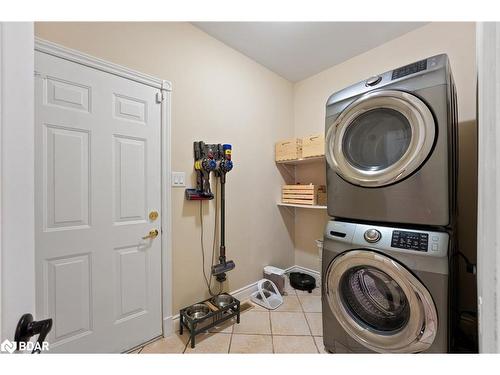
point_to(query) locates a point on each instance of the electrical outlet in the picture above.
(178, 179)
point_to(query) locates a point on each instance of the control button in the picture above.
(435, 238)
(372, 235)
(372, 81)
(435, 247)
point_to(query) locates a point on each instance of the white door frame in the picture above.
(488, 215)
(18, 213)
(17, 230)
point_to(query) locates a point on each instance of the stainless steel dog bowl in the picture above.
(197, 311)
(222, 300)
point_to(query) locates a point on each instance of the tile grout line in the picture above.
(185, 346)
(272, 334)
(230, 342)
(232, 333)
(308, 326)
(270, 321)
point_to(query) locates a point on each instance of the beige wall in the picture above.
(219, 95)
(310, 95)
(222, 96)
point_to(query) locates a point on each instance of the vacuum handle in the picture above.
(223, 219)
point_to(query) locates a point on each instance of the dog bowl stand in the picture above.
(216, 316)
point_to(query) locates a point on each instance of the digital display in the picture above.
(410, 240)
(409, 69)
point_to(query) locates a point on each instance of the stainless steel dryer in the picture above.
(391, 146)
(384, 289)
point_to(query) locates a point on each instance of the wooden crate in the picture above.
(289, 149)
(313, 145)
(304, 194)
(322, 197)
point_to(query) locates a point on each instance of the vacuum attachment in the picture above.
(219, 270)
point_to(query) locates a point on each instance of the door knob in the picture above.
(152, 234)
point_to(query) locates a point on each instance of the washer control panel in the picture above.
(401, 240)
(418, 241)
(372, 235)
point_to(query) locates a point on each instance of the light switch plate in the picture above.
(178, 179)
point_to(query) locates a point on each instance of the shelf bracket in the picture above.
(291, 210)
(289, 170)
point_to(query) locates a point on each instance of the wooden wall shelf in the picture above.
(301, 206)
(314, 159)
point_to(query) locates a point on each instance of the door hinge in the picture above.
(160, 97)
(39, 74)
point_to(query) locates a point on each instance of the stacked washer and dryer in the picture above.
(391, 148)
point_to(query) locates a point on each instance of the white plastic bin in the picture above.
(267, 295)
(277, 276)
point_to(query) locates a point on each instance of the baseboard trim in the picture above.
(168, 325)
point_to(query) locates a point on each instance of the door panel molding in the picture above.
(71, 273)
(74, 212)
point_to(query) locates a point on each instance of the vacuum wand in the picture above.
(225, 165)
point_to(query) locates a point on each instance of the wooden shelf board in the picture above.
(313, 159)
(302, 206)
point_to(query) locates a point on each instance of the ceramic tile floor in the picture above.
(294, 327)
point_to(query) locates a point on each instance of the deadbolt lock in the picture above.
(153, 215)
(152, 234)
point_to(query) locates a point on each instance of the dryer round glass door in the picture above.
(380, 138)
(380, 303)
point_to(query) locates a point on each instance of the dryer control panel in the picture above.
(409, 69)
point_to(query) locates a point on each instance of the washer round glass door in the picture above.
(379, 303)
(380, 138)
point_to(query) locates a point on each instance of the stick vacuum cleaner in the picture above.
(224, 166)
(213, 158)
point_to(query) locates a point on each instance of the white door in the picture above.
(97, 162)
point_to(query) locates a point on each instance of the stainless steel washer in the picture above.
(391, 146)
(384, 289)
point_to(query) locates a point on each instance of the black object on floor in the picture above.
(302, 281)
